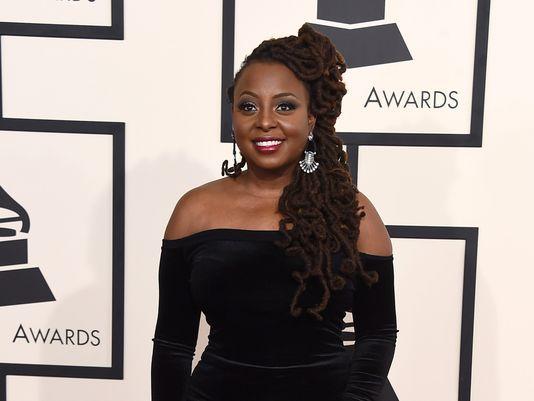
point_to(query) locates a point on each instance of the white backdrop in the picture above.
(163, 81)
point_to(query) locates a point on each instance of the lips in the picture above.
(266, 138)
(267, 144)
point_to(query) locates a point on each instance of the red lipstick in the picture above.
(267, 144)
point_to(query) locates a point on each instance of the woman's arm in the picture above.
(176, 330)
(375, 330)
(373, 312)
(178, 318)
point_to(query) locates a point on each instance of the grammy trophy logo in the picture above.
(25, 284)
(365, 46)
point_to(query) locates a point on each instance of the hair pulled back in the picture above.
(320, 210)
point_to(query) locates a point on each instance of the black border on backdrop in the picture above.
(113, 31)
(353, 141)
(117, 131)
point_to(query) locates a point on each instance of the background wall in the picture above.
(106, 122)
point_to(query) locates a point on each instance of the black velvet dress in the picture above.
(257, 351)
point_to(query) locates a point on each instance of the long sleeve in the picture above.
(176, 329)
(375, 322)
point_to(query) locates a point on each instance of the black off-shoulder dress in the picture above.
(257, 351)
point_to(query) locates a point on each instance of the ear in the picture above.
(311, 122)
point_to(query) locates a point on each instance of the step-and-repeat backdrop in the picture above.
(111, 110)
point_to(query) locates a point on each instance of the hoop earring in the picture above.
(308, 164)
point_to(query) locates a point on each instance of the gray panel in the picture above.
(371, 45)
(23, 286)
(351, 11)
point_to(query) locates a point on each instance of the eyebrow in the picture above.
(275, 96)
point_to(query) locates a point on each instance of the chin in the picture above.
(273, 166)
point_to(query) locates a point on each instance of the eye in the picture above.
(286, 106)
(247, 106)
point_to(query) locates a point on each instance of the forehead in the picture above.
(269, 78)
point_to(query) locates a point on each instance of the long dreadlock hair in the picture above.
(321, 214)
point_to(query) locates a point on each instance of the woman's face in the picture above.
(270, 116)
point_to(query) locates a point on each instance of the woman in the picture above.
(275, 255)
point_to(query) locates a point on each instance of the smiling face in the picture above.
(270, 116)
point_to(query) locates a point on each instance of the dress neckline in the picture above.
(243, 234)
(238, 233)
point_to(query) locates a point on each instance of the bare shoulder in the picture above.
(192, 211)
(374, 237)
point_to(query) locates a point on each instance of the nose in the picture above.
(266, 120)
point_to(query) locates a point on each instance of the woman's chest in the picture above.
(245, 277)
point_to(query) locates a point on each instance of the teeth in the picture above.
(268, 143)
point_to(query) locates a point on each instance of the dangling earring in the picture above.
(234, 150)
(236, 169)
(308, 164)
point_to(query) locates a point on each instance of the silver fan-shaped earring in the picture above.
(308, 164)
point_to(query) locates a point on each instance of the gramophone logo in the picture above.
(23, 284)
(364, 46)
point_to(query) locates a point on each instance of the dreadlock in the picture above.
(320, 210)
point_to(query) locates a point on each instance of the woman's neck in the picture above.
(263, 183)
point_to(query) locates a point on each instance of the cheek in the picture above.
(297, 125)
(241, 122)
